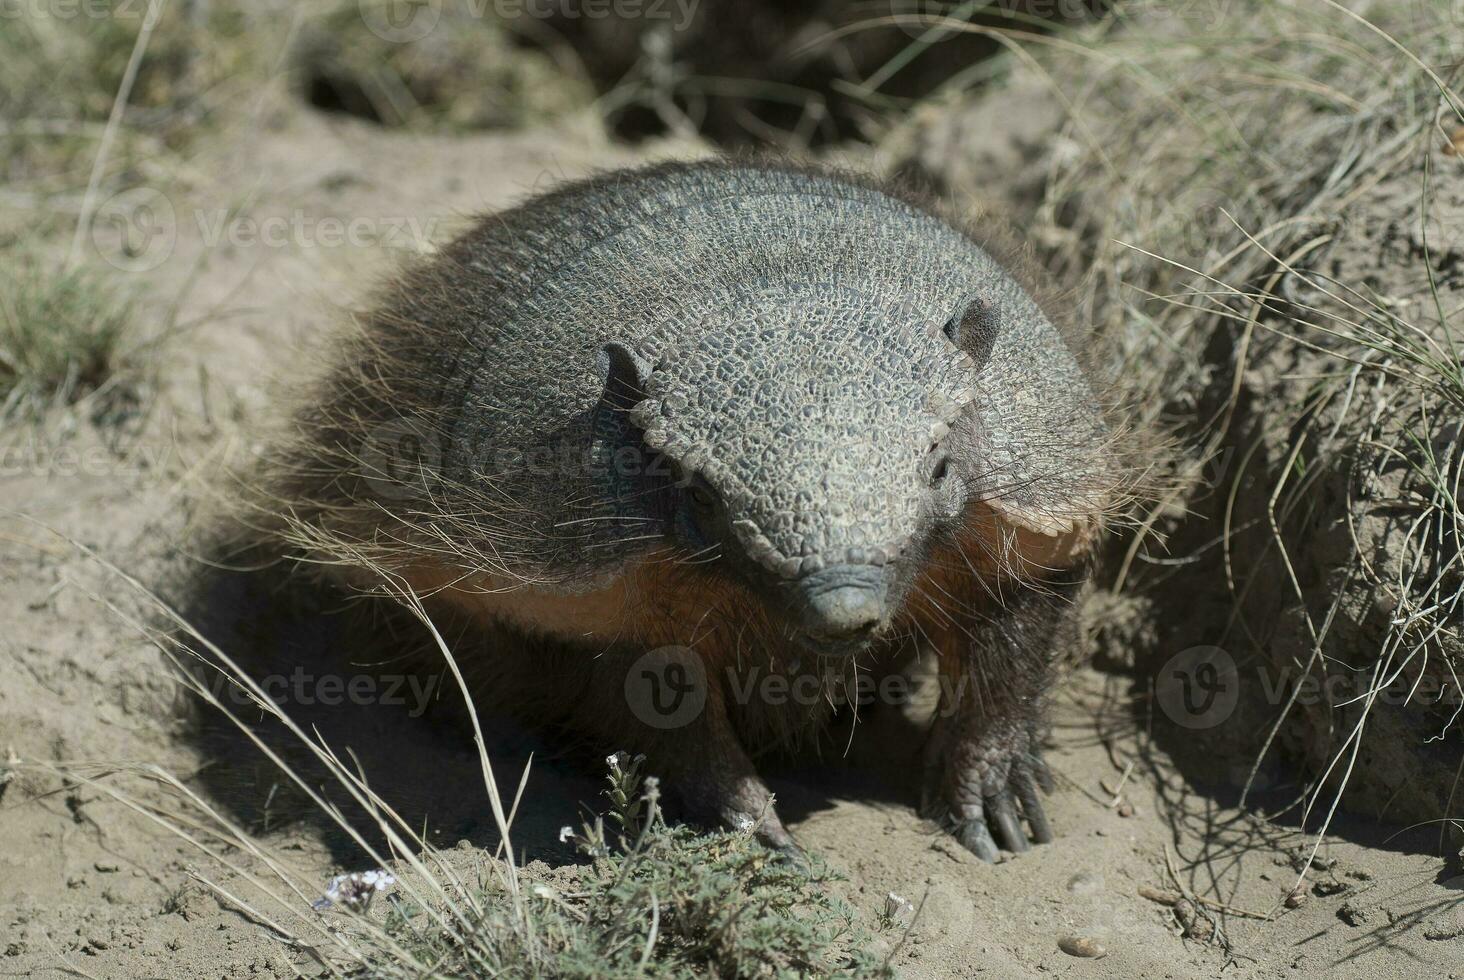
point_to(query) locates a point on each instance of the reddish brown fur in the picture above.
(661, 602)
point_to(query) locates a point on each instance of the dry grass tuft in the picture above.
(1259, 196)
(63, 337)
(62, 66)
(468, 73)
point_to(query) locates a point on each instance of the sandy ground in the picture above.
(89, 887)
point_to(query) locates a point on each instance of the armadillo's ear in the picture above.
(625, 372)
(974, 328)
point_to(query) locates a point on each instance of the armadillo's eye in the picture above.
(939, 470)
(703, 497)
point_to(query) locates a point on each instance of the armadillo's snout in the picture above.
(844, 601)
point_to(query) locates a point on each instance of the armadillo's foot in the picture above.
(981, 787)
(742, 803)
(774, 836)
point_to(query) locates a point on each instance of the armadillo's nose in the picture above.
(844, 600)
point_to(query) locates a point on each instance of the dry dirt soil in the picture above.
(92, 887)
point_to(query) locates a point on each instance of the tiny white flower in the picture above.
(354, 890)
(745, 824)
(565, 833)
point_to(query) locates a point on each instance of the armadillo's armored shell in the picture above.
(734, 282)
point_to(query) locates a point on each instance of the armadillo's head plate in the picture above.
(813, 415)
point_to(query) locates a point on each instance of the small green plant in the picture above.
(174, 901)
(658, 900)
(61, 338)
(898, 912)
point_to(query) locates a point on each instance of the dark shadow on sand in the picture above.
(371, 685)
(362, 682)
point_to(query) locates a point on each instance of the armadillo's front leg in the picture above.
(678, 719)
(984, 765)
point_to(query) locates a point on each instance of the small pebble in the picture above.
(1297, 898)
(1196, 926)
(1085, 883)
(1125, 809)
(1455, 146)
(1161, 895)
(1352, 914)
(1082, 946)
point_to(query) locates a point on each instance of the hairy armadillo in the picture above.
(680, 426)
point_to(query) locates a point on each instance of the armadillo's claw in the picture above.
(986, 789)
(975, 837)
(1002, 812)
(1027, 779)
(775, 837)
(788, 851)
